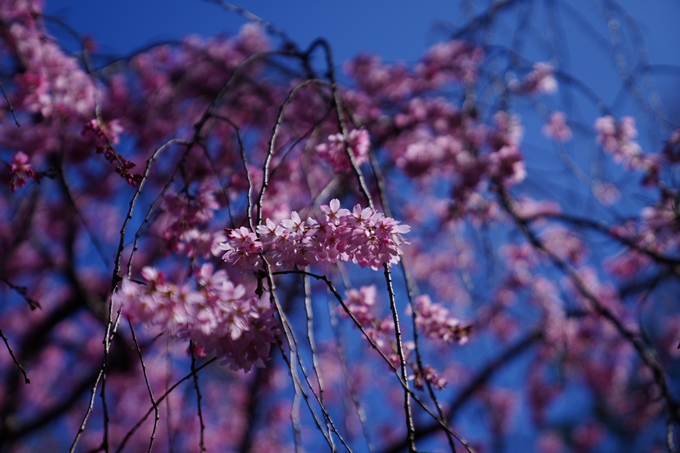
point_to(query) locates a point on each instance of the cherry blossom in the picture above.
(200, 200)
(556, 128)
(216, 315)
(364, 236)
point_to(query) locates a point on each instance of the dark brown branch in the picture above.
(606, 230)
(11, 353)
(23, 292)
(9, 104)
(644, 350)
(158, 401)
(198, 398)
(331, 288)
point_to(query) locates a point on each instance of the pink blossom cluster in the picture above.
(436, 114)
(51, 83)
(333, 151)
(423, 150)
(507, 165)
(375, 79)
(556, 128)
(671, 150)
(659, 229)
(437, 142)
(450, 61)
(627, 265)
(546, 295)
(51, 95)
(541, 80)
(567, 245)
(522, 260)
(20, 170)
(445, 62)
(363, 236)
(506, 162)
(618, 138)
(215, 314)
(107, 135)
(436, 322)
(508, 131)
(607, 193)
(605, 292)
(430, 374)
(439, 146)
(170, 85)
(381, 335)
(188, 215)
(502, 405)
(526, 207)
(361, 304)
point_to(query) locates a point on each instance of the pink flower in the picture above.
(430, 374)
(556, 128)
(21, 170)
(364, 236)
(617, 138)
(333, 210)
(333, 151)
(242, 249)
(214, 313)
(360, 304)
(435, 322)
(450, 61)
(540, 80)
(607, 193)
(507, 164)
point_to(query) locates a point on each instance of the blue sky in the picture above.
(395, 29)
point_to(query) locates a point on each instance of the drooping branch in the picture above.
(477, 382)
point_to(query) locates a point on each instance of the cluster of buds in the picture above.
(109, 135)
(20, 171)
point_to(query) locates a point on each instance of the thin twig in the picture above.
(330, 73)
(93, 394)
(158, 401)
(157, 415)
(415, 397)
(253, 18)
(294, 350)
(309, 312)
(410, 288)
(483, 376)
(669, 437)
(9, 104)
(11, 353)
(244, 161)
(198, 397)
(272, 142)
(147, 219)
(606, 230)
(23, 292)
(645, 351)
(402, 359)
(348, 378)
(67, 191)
